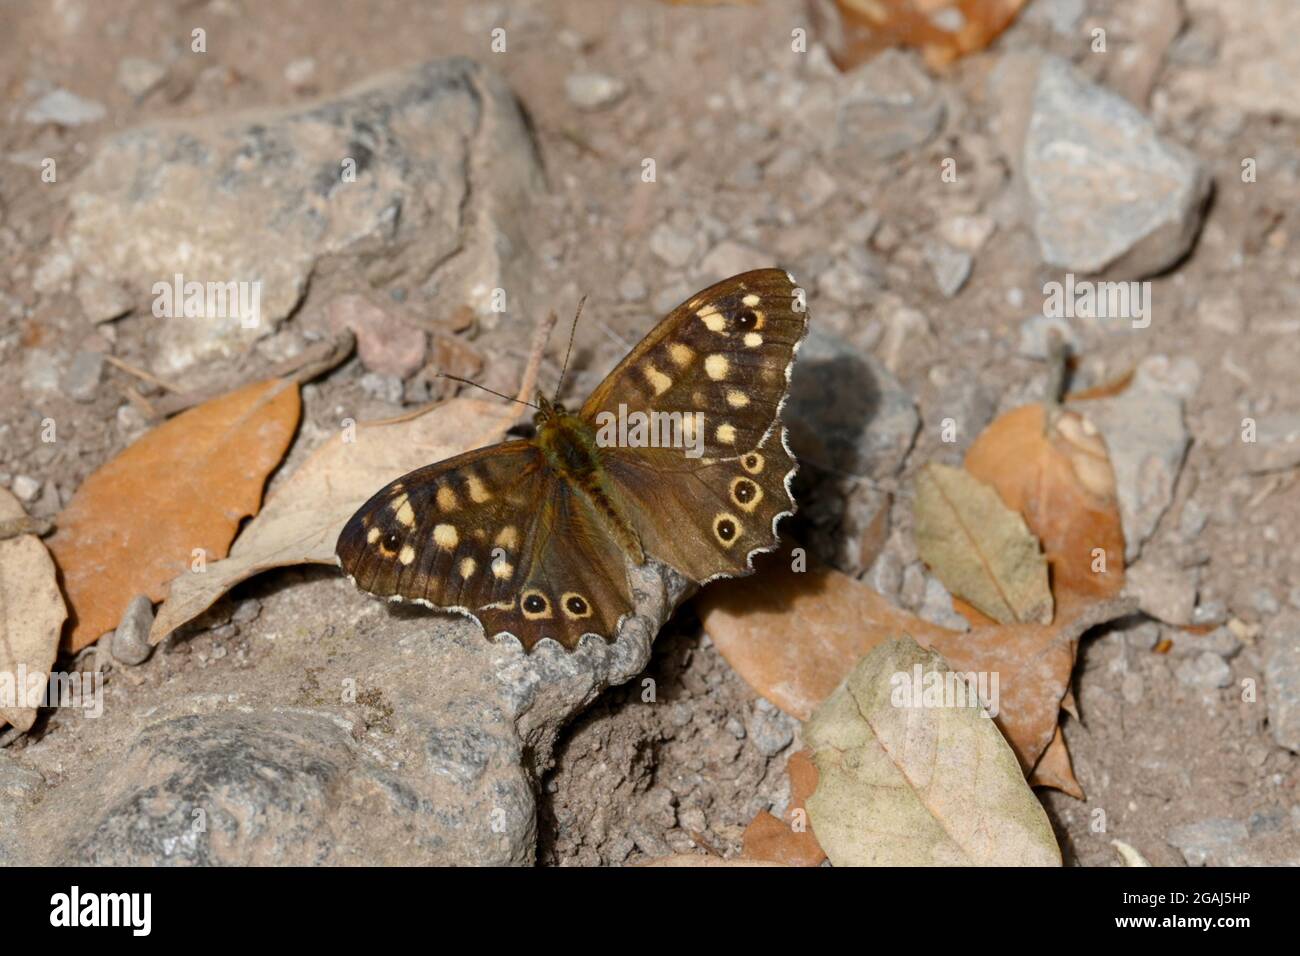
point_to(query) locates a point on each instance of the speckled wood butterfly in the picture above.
(531, 537)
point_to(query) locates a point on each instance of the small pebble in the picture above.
(26, 487)
(130, 644)
(594, 91)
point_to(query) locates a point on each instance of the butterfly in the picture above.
(679, 456)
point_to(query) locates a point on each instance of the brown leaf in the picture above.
(907, 780)
(136, 522)
(31, 616)
(979, 548)
(862, 28)
(794, 636)
(789, 841)
(1059, 478)
(1054, 768)
(302, 520)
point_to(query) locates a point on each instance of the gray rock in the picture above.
(951, 267)
(1220, 641)
(593, 91)
(769, 729)
(26, 487)
(63, 108)
(444, 167)
(81, 380)
(847, 413)
(1144, 637)
(1207, 841)
(1277, 442)
(139, 76)
(1282, 679)
(130, 643)
(1106, 193)
(40, 373)
(1147, 440)
(673, 246)
(19, 789)
(1167, 594)
(389, 737)
(385, 388)
(101, 301)
(890, 107)
(1204, 671)
(1034, 333)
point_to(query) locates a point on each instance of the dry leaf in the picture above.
(302, 520)
(942, 29)
(1059, 478)
(979, 548)
(1128, 854)
(31, 616)
(789, 841)
(793, 636)
(905, 784)
(1055, 769)
(177, 493)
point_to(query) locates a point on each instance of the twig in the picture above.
(528, 384)
(142, 374)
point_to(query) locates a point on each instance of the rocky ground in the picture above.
(925, 213)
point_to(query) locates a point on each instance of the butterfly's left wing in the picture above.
(496, 535)
(717, 370)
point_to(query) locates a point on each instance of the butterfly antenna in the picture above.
(465, 381)
(572, 331)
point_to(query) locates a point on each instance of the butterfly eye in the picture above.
(534, 604)
(724, 526)
(747, 319)
(576, 605)
(391, 541)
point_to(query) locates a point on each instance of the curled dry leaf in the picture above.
(302, 520)
(789, 840)
(31, 616)
(1055, 769)
(904, 783)
(942, 29)
(178, 493)
(979, 548)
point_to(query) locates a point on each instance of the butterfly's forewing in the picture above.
(494, 534)
(726, 353)
(721, 360)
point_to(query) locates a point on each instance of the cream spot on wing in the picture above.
(726, 434)
(406, 555)
(753, 340)
(446, 499)
(478, 492)
(716, 367)
(467, 567)
(751, 300)
(401, 506)
(737, 399)
(713, 319)
(658, 380)
(502, 569)
(445, 536)
(680, 354)
(508, 537)
(372, 535)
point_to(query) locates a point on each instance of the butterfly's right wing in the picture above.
(493, 534)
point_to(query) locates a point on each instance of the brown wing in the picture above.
(493, 534)
(725, 354)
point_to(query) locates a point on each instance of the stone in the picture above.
(101, 301)
(1277, 442)
(1220, 641)
(26, 487)
(1167, 594)
(1147, 439)
(139, 76)
(1105, 193)
(770, 730)
(674, 247)
(729, 258)
(967, 232)
(63, 108)
(386, 344)
(890, 107)
(40, 373)
(846, 412)
(1207, 841)
(950, 267)
(419, 177)
(1206, 670)
(384, 388)
(1281, 651)
(81, 380)
(594, 91)
(387, 736)
(130, 643)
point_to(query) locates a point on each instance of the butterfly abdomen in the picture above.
(571, 451)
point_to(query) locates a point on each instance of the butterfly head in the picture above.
(547, 411)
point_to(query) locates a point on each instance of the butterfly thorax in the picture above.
(569, 445)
